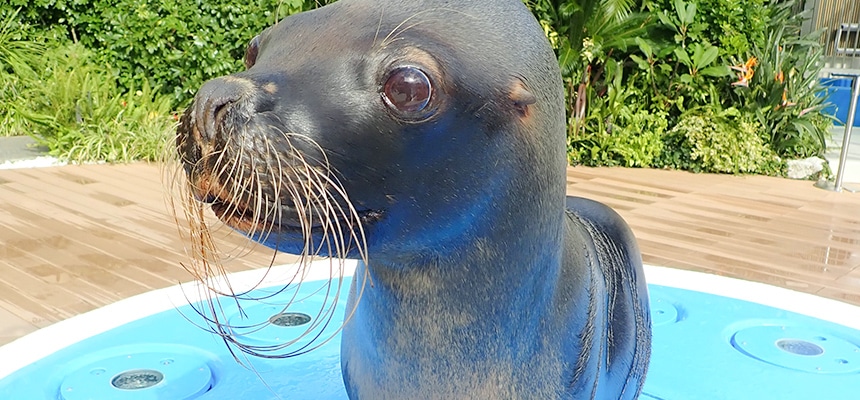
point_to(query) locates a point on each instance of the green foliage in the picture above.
(584, 33)
(783, 92)
(179, 45)
(18, 58)
(641, 76)
(73, 106)
(682, 69)
(99, 79)
(174, 45)
(615, 131)
(724, 141)
(583, 29)
(734, 25)
(632, 138)
(638, 100)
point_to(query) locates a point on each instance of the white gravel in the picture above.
(38, 162)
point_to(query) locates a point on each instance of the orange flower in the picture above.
(745, 72)
(780, 77)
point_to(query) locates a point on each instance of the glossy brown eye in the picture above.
(407, 90)
(251, 52)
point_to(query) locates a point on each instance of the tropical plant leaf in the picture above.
(644, 47)
(716, 71)
(683, 57)
(643, 64)
(706, 57)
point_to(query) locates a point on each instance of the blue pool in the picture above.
(706, 346)
(837, 92)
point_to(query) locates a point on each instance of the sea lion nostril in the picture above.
(220, 110)
(214, 100)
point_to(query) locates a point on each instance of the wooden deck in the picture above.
(75, 238)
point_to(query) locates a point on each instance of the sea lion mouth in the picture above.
(244, 218)
(300, 202)
(237, 217)
(260, 179)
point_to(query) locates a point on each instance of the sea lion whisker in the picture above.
(393, 31)
(278, 181)
(388, 39)
(378, 27)
(206, 260)
(326, 207)
(330, 223)
(219, 164)
(324, 317)
(328, 182)
(259, 211)
(350, 215)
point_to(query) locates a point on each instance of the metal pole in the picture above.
(846, 139)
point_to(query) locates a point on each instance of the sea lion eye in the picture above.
(251, 52)
(407, 90)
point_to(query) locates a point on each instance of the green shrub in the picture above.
(178, 45)
(732, 25)
(724, 142)
(18, 59)
(78, 110)
(783, 91)
(622, 89)
(633, 71)
(175, 46)
(631, 140)
(88, 78)
(614, 130)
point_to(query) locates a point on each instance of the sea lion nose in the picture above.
(213, 101)
(207, 116)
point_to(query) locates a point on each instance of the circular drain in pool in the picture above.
(137, 379)
(798, 348)
(289, 319)
(164, 372)
(271, 324)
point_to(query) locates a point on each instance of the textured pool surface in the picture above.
(705, 347)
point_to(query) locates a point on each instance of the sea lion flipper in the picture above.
(628, 334)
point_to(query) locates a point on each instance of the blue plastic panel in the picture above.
(704, 347)
(148, 373)
(723, 348)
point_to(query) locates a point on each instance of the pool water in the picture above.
(705, 346)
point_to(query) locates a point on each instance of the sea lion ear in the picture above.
(520, 96)
(251, 52)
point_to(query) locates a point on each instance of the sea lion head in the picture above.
(397, 128)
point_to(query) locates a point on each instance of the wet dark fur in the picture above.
(486, 281)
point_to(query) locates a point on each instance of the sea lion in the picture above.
(428, 140)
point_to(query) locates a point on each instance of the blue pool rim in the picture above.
(46, 341)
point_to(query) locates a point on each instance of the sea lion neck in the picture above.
(481, 266)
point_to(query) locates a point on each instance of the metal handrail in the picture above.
(849, 124)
